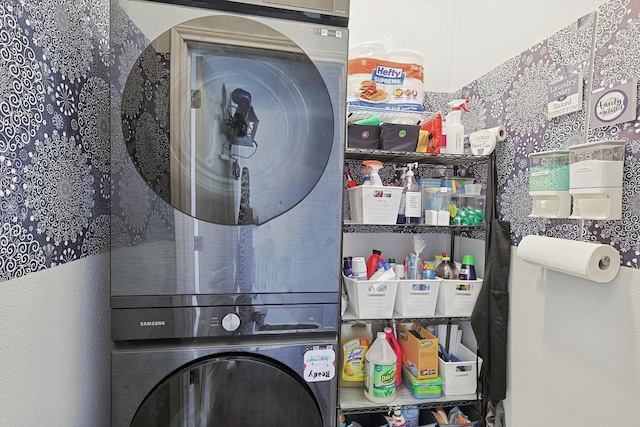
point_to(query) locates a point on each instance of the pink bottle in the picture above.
(395, 345)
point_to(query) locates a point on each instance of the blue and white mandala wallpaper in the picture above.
(60, 66)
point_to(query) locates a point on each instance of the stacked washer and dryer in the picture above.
(227, 141)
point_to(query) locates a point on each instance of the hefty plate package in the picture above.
(388, 83)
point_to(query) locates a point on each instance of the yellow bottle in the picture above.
(355, 340)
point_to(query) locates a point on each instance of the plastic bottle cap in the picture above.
(468, 260)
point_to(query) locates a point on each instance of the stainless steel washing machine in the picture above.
(219, 365)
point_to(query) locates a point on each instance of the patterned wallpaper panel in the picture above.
(515, 94)
(56, 57)
(54, 133)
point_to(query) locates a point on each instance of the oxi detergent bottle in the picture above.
(380, 371)
(395, 345)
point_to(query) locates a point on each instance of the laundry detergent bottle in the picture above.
(355, 340)
(380, 371)
(395, 345)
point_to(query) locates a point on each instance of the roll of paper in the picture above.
(587, 260)
(499, 132)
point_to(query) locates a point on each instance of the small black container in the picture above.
(363, 136)
(395, 137)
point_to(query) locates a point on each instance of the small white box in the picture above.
(458, 297)
(417, 298)
(372, 204)
(371, 299)
(460, 377)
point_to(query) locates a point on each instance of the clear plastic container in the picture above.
(549, 171)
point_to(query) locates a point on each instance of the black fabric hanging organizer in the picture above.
(490, 315)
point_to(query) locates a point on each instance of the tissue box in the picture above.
(419, 350)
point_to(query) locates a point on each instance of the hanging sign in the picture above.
(565, 96)
(613, 105)
(319, 364)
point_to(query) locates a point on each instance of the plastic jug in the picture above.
(380, 371)
(355, 340)
(447, 269)
(395, 345)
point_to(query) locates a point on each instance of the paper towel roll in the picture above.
(593, 261)
(499, 132)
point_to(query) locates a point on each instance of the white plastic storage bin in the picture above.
(417, 298)
(458, 297)
(371, 204)
(460, 377)
(371, 299)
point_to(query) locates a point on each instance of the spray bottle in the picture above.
(454, 127)
(371, 168)
(396, 419)
(412, 197)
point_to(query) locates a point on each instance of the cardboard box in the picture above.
(419, 350)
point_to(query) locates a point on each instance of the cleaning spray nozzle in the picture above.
(371, 168)
(458, 104)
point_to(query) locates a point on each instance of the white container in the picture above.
(417, 298)
(371, 299)
(380, 371)
(460, 377)
(374, 204)
(596, 164)
(458, 297)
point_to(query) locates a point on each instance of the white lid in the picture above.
(368, 50)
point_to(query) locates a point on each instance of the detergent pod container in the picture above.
(454, 127)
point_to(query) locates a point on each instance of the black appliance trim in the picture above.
(266, 11)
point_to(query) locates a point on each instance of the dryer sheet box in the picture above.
(419, 350)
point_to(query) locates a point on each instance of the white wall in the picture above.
(462, 39)
(574, 348)
(55, 346)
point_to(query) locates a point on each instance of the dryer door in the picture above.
(234, 390)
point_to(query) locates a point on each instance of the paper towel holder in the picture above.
(595, 262)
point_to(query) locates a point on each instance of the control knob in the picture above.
(231, 322)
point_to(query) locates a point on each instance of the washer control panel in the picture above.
(219, 321)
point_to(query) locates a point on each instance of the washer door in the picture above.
(234, 390)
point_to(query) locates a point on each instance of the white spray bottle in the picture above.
(372, 167)
(454, 127)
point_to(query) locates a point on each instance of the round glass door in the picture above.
(228, 120)
(237, 390)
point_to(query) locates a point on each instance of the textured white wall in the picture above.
(462, 39)
(574, 348)
(55, 346)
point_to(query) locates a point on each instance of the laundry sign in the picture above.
(613, 105)
(565, 96)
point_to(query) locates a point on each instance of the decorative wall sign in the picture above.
(565, 96)
(613, 105)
